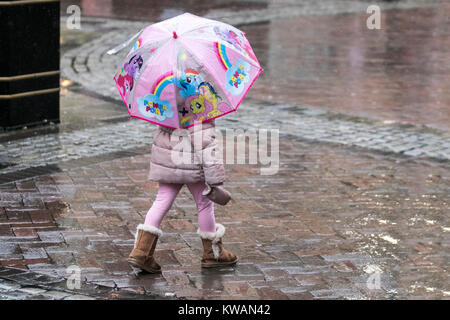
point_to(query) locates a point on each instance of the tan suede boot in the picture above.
(144, 248)
(214, 254)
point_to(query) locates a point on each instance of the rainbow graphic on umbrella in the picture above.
(221, 50)
(186, 70)
(163, 82)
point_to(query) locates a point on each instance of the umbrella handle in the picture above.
(123, 45)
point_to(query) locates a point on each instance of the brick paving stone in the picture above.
(69, 146)
(351, 196)
(293, 245)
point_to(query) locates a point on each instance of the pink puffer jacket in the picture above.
(205, 162)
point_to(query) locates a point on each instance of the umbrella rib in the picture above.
(174, 72)
(144, 67)
(254, 63)
(199, 27)
(210, 73)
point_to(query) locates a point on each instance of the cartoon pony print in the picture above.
(226, 36)
(240, 40)
(125, 83)
(204, 96)
(197, 106)
(188, 82)
(207, 92)
(134, 66)
(207, 102)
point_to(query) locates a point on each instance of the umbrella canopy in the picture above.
(186, 70)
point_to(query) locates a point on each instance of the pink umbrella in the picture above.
(186, 70)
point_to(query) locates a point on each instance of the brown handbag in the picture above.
(217, 194)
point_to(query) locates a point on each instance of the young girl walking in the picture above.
(198, 175)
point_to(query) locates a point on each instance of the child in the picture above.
(171, 178)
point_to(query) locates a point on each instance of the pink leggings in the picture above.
(167, 193)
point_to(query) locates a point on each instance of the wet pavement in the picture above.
(358, 209)
(313, 92)
(397, 74)
(19, 284)
(108, 135)
(157, 10)
(318, 229)
(329, 59)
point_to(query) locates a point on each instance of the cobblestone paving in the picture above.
(246, 12)
(54, 148)
(17, 284)
(334, 62)
(372, 202)
(91, 66)
(306, 123)
(318, 229)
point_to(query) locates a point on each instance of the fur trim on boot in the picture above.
(214, 254)
(144, 248)
(214, 236)
(146, 227)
